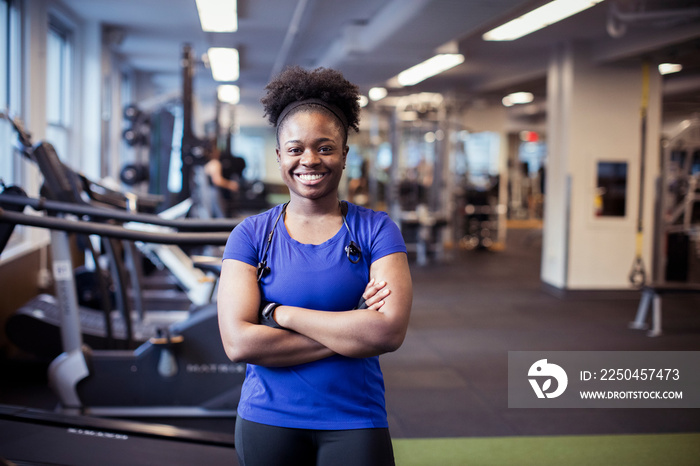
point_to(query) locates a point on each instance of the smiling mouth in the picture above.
(310, 176)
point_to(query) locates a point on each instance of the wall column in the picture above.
(594, 116)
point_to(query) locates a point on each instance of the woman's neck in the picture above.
(314, 208)
(313, 222)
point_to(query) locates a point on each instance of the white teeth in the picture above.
(310, 177)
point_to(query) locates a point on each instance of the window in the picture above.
(10, 102)
(9, 88)
(58, 90)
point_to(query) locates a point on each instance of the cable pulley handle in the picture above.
(638, 275)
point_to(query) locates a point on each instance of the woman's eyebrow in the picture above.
(298, 141)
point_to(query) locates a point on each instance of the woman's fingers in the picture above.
(374, 294)
(377, 300)
(372, 288)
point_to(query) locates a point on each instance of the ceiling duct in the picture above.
(619, 19)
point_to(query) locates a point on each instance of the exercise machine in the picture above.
(183, 372)
(102, 328)
(677, 248)
(32, 436)
(35, 327)
(480, 215)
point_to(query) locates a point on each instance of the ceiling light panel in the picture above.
(538, 18)
(218, 15)
(229, 93)
(668, 68)
(223, 63)
(377, 93)
(431, 67)
(517, 98)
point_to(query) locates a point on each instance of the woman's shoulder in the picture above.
(263, 217)
(376, 230)
(370, 222)
(252, 232)
(366, 214)
(260, 220)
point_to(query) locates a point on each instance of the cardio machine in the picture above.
(35, 326)
(183, 372)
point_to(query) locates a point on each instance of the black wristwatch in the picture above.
(267, 311)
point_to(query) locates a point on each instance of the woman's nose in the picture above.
(309, 157)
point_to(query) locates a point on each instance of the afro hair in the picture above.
(296, 83)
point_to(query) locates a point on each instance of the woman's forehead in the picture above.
(310, 120)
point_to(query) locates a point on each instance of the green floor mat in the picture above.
(618, 450)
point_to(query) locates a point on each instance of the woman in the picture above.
(291, 285)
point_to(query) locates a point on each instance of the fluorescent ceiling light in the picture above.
(668, 68)
(517, 98)
(377, 93)
(224, 63)
(218, 15)
(539, 18)
(430, 67)
(229, 93)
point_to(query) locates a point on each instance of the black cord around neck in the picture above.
(352, 250)
(263, 268)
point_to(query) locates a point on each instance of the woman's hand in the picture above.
(374, 294)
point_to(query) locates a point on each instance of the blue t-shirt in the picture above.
(336, 392)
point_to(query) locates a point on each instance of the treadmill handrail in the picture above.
(192, 225)
(114, 231)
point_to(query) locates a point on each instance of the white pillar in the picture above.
(594, 116)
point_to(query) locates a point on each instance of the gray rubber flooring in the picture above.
(449, 379)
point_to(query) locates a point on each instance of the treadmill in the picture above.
(66, 191)
(37, 437)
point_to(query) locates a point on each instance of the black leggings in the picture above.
(263, 445)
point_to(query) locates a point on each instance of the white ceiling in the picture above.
(371, 41)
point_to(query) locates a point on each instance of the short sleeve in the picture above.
(240, 244)
(386, 237)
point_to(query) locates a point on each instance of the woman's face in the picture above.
(311, 154)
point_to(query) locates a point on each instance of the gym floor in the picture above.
(449, 379)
